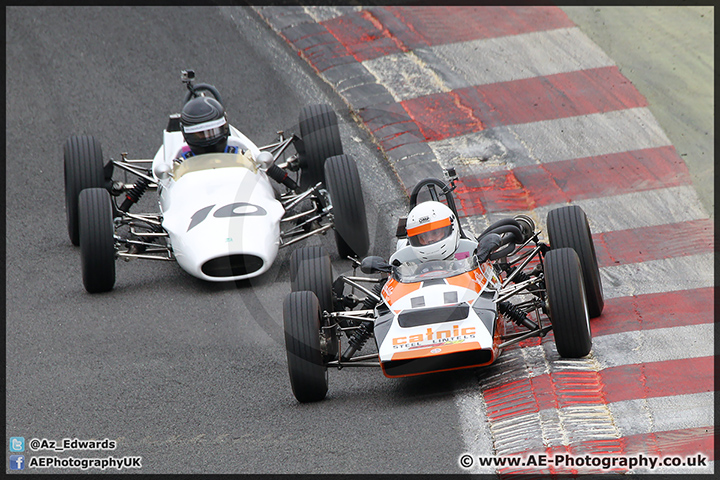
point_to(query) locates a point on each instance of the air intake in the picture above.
(232, 266)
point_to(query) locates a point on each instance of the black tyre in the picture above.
(83, 169)
(343, 184)
(311, 270)
(97, 244)
(301, 319)
(568, 309)
(568, 228)
(321, 139)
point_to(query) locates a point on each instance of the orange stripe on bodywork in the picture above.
(468, 280)
(394, 290)
(445, 222)
(444, 349)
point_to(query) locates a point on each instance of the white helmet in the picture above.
(432, 231)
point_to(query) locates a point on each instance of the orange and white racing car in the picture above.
(438, 315)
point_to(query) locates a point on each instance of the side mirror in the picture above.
(162, 171)
(374, 265)
(265, 160)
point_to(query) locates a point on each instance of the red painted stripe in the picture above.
(563, 95)
(442, 25)
(572, 388)
(658, 379)
(528, 187)
(682, 443)
(655, 310)
(654, 243)
(364, 36)
(685, 443)
(376, 32)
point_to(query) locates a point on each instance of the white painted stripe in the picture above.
(654, 345)
(486, 61)
(614, 350)
(322, 14)
(660, 414)
(591, 135)
(657, 276)
(647, 208)
(552, 140)
(515, 57)
(708, 470)
(405, 75)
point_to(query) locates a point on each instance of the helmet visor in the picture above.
(206, 133)
(429, 237)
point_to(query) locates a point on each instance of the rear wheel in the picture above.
(568, 228)
(301, 319)
(311, 270)
(321, 139)
(568, 309)
(97, 243)
(342, 180)
(83, 169)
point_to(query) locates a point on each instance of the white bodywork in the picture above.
(218, 205)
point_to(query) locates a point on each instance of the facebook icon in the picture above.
(17, 462)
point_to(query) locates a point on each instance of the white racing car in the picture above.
(460, 312)
(223, 216)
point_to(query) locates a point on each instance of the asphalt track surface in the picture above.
(188, 375)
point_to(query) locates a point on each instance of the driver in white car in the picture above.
(205, 129)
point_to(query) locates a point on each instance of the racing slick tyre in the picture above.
(568, 228)
(343, 184)
(567, 304)
(83, 169)
(321, 139)
(311, 270)
(301, 319)
(97, 243)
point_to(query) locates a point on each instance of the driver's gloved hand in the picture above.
(487, 245)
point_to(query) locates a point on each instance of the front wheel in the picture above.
(301, 320)
(342, 180)
(568, 227)
(97, 243)
(311, 270)
(568, 309)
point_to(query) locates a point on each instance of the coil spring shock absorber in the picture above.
(281, 176)
(520, 277)
(357, 341)
(516, 315)
(135, 193)
(370, 302)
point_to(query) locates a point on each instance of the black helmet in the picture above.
(204, 125)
